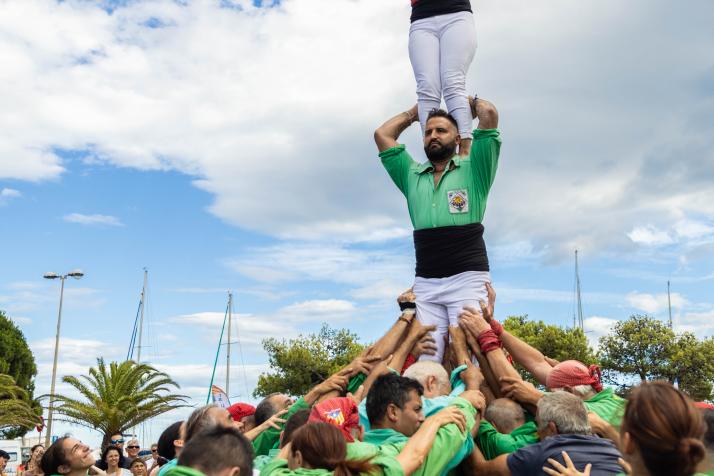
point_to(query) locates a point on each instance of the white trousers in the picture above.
(440, 300)
(441, 49)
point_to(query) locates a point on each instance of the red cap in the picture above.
(571, 373)
(704, 405)
(341, 412)
(239, 411)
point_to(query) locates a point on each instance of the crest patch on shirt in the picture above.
(458, 201)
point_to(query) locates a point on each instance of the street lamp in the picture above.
(76, 274)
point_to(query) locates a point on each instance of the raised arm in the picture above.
(387, 134)
(485, 112)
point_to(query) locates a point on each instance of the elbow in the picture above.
(488, 115)
(379, 136)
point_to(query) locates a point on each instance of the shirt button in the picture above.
(433, 204)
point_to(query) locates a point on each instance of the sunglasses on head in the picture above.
(118, 441)
(133, 447)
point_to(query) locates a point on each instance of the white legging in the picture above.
(441, 49)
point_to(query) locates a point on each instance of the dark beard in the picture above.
(441, 153)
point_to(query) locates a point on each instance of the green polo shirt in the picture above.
(608, 406)
(493, 443)
(460, 198)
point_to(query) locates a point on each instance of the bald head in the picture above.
(505, 414)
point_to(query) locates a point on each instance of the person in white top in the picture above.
(111, 456)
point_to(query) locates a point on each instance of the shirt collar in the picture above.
(427, 167)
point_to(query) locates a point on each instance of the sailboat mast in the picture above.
(228, 342)
(141, 318)
(577, 290)
(669, 305)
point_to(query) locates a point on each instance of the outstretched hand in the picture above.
(568, 470)
(447, 416)
(519, 390)
(472, 320)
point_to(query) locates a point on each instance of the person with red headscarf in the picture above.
(243, 413)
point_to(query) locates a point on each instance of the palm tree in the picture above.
(15, 409)
(118, 397)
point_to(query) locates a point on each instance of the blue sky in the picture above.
(230, 148)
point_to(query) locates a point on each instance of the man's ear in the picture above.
(392, 413)
(431, 382)
(552, 429)
(298, 458)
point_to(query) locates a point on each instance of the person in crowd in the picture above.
(4, 458)
(33, 468)
(243, 413)
(116, 440)
(169, 446)
(132, 450)
(505, 428)
(67, 457)
(111, 456)
(153, 461)
(138, 467)
(298, 419)
(563, 426)
(662, 434)
(218, 451)
(442, 44)
(395, 413)
(446, 198)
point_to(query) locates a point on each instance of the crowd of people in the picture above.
(391, 412)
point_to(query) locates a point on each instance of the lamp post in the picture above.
(76, 274)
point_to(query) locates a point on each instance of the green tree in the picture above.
(17, 362)
(553, 341)
(118, 397)
(15, 408)
(643, 348)
(298, 364)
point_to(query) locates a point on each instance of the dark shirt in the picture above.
(431, 8)
(582, 449)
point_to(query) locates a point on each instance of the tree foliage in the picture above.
(552, 341)
(642, 348)
(298, 364)
(18, 363)
(118, 397)
(16, 411)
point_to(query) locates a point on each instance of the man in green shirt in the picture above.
(504, 429)
(446, 197)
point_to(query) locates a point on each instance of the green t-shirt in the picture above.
(493, 443)
(261, 461)
(178, 470)
(388, 466)
(608, 406)
(460, 198)
(270, 438)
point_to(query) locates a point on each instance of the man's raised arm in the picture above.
(387, 134)
(485, 112)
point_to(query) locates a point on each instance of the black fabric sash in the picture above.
(450, 250)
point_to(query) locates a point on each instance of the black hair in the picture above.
(298, 419)
(389, 389)
(441, 113)
(4, 455)
(216, 449)
(54, 457)
(166, 441)
(198, 422)
(265, 409)
(109, 448)
(32, 450)
(137, 460)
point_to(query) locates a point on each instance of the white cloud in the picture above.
(655, 303)
(228, 86)
(10, 193)
(95, 219)
(317, 310)
(650, 236)
(596, 327)
(251, 330)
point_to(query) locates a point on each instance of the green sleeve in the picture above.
(355, 382)
(270, 438)
(485, 150)
(493, 443)
(276, 467)
(449, 443)
(398, 163)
